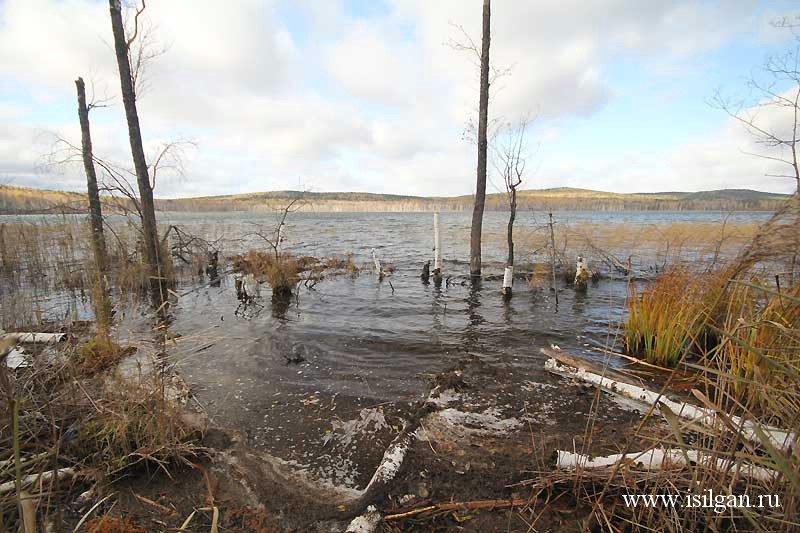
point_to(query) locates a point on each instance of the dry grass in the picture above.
(105, 427)
(109, 524)
(284, 271)
(101, 353)
(744, 334)
(672, 315)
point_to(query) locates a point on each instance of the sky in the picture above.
(370, 95)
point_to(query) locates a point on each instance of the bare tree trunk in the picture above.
(511, 217)
(100, 293)
(483, 118)
(508, 277)
(95, 210)
(157, 288)
(553, 257)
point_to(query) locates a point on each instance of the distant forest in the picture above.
(23, 200)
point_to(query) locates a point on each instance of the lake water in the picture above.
(373, 341)
(365, 342)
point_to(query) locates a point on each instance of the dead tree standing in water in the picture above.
(483, 118)
(151, 245)
(101, 298)
(510, 163)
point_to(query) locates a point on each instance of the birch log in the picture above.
(44, 477)
(42, 338)
(779, 438)
(660, 458)
(367, 522)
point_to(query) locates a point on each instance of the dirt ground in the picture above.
(490, 431)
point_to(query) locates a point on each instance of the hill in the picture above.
(23, 200)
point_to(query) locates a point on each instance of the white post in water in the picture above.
(437, 251)
(437, 247)
(508, 281)
(378, 268)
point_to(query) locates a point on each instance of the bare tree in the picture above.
(274, 237)
(772, 111)
(483, 117)
(122, 48)
(101, 299)
(510, 161)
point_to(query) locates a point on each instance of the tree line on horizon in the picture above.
(23, 200)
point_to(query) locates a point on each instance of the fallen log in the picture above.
(42, 338)
(660, 458)
(780, 438)
(589, 365)
(44, 477)
(391, 462)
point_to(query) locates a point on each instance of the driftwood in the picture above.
(366, 523)
(660, 458)
(589, 365)
(582, 275)
(585, 371)
(460, 506)
(391, 462)
(42, 338)
(44, 477)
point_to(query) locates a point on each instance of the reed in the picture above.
(671, 316)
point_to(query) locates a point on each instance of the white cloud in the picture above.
(351, 103)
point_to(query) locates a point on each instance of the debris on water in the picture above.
(452, 420)
(445, 397)
(371, 420)
(295, 357)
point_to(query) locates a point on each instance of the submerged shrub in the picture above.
(282, 272)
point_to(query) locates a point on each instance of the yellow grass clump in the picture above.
(672, 315)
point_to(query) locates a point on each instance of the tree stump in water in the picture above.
(426, 273)
(582, 275)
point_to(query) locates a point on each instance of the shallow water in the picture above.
(363, 343)
(375, 341)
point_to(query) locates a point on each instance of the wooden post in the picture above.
(553, 255)
(437, 252)
(508, 281)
